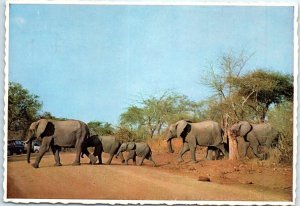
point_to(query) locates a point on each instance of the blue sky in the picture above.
(92, 62)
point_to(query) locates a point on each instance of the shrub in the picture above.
(281, 117)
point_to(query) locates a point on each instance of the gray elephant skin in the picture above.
(139, 149)
(55, 134)
(107, 144)
(206, 133)
(254, 135)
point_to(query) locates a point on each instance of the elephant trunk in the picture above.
(119, 152)
(29, 145)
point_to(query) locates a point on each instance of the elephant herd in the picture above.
(56, 134)
(210, 134)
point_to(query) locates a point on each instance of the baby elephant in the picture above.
(136, 149)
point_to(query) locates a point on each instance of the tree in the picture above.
(100, 128)
(240, 96)
(223, 102)
(48, 115)
(260, 89)
(23, 107)
(155, 113)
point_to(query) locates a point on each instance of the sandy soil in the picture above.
(229, 180)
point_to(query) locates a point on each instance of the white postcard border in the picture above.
(150, 3)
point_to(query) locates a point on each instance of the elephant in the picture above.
(57, 134)
(206, 133)
(107, 144)
(214, 153)
(254, 135)
(139, 149)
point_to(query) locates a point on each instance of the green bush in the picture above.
(281, 117)
(124, 134)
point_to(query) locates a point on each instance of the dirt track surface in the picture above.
(169, 181)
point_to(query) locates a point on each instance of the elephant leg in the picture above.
(217, 154)
(79, 148)
(243, 147)
(142, 160)
(112, 152)
(184, 149)
(56, 150)
(108, 162)
(98, 152)
(150, 159)
(43, 149)
(193, 154)
(84, 150)
(209, 153)
(222, 148)
(254, 146)
(129, 156)
(132, 156)
(121, 157)
(100, 158)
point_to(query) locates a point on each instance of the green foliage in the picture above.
(125, 134)
(260, 89)
(240, 96)
(23, 107)
(223, 105)
(281, 117)
(100, 128)
(256, 96)
(48, 115)
(155, 113)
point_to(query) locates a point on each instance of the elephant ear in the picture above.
(244, 128)
(131, 146)
(183, 128)
(41, 126)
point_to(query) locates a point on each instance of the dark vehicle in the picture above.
(15, 146)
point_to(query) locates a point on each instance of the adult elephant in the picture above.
(254, 135)
(107, 144)
(206, 133)
(56, 134)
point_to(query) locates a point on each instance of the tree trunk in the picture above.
(233, 149)
(224, 126)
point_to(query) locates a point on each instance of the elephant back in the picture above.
(109, 143)
(209, 132)
(265, 132)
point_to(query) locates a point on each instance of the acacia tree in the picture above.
(241, 96)
(260, 89)
(222, 105)
(155, 113)
(23, 107)
(100, 128)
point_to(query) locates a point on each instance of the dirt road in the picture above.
(118, 181)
